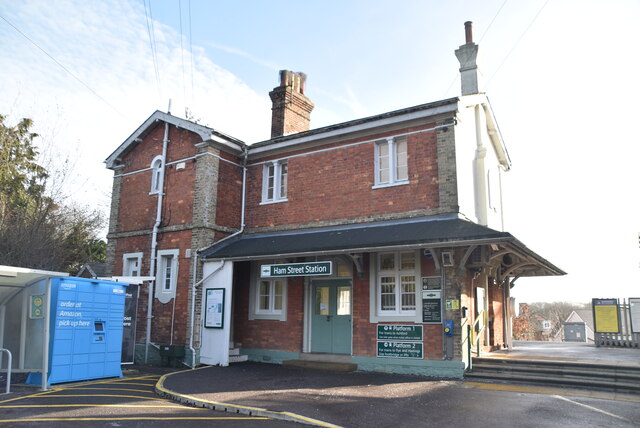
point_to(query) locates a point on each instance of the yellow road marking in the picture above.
(555, 391)
(150, 391)
(126, 383)
(168, 406)
(141, 418)
(102, 395)
(270, 413)
(36, 395)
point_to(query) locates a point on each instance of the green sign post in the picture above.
(399, 332)
(296, 269)
(400, 349)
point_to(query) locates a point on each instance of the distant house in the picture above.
(578, 327)
(532, 326)
(92, 270)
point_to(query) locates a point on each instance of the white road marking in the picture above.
(595, 409)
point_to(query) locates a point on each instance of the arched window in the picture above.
(156, 171)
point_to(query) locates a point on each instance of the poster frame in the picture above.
(207, 320)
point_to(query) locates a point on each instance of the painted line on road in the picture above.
(140, 406)
(149, 391)
(555, 391)
(226, 407)
(36, 395)
(141, 418)
(100, 395)
(595, 409)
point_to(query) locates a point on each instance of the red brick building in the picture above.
(376, 242)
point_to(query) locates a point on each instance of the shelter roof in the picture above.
(423, 232)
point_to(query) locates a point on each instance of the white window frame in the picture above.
(397, 273)
(163, 293)
(271, 295)
(278, 179)
(255, 313)
(126, 260)
(391, 163)
(156, 174)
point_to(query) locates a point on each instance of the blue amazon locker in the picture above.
(85, 339)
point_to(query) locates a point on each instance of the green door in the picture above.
(331, 319)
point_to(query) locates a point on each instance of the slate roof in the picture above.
(93, 270)
(424, 232)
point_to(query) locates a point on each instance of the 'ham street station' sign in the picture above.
(296, 269)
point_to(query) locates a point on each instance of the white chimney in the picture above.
(467, 54)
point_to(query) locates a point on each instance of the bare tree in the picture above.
(39, 228)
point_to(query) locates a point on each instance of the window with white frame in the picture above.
(396, 283)
(166, 274)
(156, 174)
(270, 297)
(391, 166)
(132, 264)
(274, 181)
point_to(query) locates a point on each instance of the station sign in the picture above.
(296, 269)
(399, 332)
(400, 349)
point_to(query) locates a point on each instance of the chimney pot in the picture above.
(291, 109)
(468, 32)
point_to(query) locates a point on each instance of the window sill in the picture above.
(397, 183)
(274, 317)
(274, 202)
(393, 316)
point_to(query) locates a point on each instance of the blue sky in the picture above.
(561, 76)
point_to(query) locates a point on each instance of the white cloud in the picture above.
(106, 46)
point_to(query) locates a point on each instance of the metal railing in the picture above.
(9, 363)
(474, 333)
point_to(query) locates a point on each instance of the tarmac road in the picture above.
(127, 402)
(365, 399)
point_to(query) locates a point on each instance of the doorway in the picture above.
(331, 316)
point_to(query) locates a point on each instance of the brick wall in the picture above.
(267, 334)
(337, 185)
(496, 316)
(365, 332)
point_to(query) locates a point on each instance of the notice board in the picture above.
(634, 310)
(605, 315)
(431, 306)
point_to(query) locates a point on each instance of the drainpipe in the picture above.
(480, 178)
(154, 240)
(195, 262)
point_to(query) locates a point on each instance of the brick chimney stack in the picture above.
(467, 55)
(291, 110)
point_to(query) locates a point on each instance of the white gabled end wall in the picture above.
(214, 348)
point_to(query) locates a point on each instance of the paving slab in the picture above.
(570, 351)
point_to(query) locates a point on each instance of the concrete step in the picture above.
(322, 365)
(594, 376)
(563, 370)
(332, 358)
(238, 358)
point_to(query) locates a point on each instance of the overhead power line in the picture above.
(191, 51)
(62, 66)
(184, 86)
(517, 42)
(481, 38)
(152, 44)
